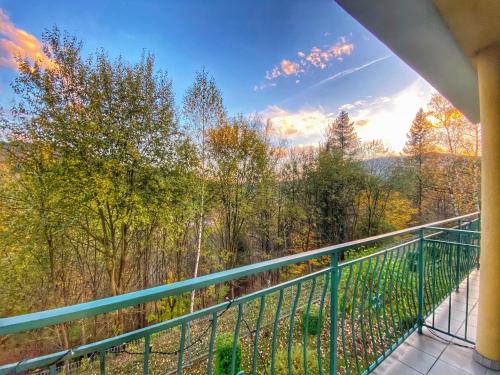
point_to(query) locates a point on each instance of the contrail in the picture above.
(335, 77)
(349, 71)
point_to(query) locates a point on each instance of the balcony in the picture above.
(395, 309)
(435, 352)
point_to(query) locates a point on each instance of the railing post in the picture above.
(334, 264)
(420, 317)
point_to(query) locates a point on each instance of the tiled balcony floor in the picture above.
(428, 354)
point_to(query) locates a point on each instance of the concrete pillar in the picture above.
(488, 329)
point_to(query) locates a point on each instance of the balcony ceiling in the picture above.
(475, 24)
(437, 38)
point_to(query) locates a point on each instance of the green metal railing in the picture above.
(450, 255)
(346, 317)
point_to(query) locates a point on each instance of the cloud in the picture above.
(389, 118)
(346, 107)
(290, 68)
(316, 58)
(274, 73)
(301, 128)
(360, 123)
(16, 42)
(262, 86)
(386, 118)
(320, 57)
(367, 102)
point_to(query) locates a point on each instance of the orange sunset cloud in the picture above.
(289, 67)
(15, 42)
(316, 58)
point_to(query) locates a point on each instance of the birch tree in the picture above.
(203, 109)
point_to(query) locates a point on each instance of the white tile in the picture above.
(462, 358)
(426, 343)
(416, 359)
(392, 366)
(443, 368)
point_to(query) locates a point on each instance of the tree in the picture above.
(96, 145)
(203, 110)
(458, 141)
(341, 134)
(336, 182)
(443, 161)
(238, 166)
(418, 146)
(382, 208)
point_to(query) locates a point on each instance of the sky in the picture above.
(294, 63)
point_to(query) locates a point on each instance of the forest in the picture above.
(108, 185)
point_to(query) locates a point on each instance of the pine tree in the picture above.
(341, 135)
(418, 141)
(418, 146)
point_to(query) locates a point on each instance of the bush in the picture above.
(297, 361)
(224, 355)
(313, 326)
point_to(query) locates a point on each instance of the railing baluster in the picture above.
(236, 338)
(334, 264)
(370, 302)
(275, 331)
(387, 276)
(320, 321)
(420, 317)
(450, 285)
(406, 290)
(213, 332)
(433, 286)
(342, 324)
(439, 252)
(292, 322)
(392, 290)
(145, 366)
(466, 306)
(429, 279)
(380, 302)
(428, 262)
(364, 287)
(102, 362)
(412, 304)
(181, 348)
(353, 317)
(257, 331)
(459, 249)
(306, 330)
(398, 291)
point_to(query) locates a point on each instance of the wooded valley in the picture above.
(108, 185)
